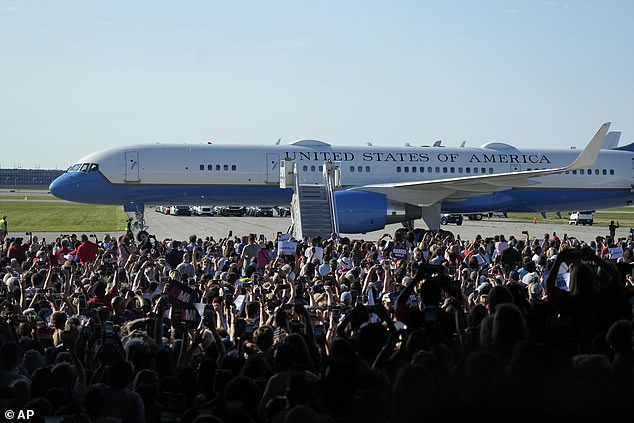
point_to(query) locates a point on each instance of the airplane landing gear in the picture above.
(136, 212)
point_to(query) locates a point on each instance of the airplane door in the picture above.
(272, 167)
(132, 166)
(516, 168)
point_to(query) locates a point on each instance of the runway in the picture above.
(180, 227)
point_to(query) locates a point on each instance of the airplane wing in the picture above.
(426, 193)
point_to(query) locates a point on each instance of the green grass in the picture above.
(62, 217)
(623, 215)
(30, 197)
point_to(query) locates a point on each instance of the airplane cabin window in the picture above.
(351, 168)
(452, 170)
(406, 169)
(367, 168)
(422, 169)
(84, 167)
(321, 168)
(312, 168)
(398, 169)
(429, 169)
(226, 167)
(233, 167)
(305, 168)
(360, 169)
(459, 170)
(437, 169)
(611, 171)
(413, 169)
(202, 167)
(574, 172)
(582, 172)
(210, 167)
(605, 172)
(467, 169)
(596, 171)
(475, 170)
(490, 170)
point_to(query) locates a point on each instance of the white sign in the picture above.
(287, 247)
(563, 281)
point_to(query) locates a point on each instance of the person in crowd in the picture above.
(341, 330)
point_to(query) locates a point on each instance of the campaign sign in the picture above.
(182, 293)
(563, 281)
(183, 301)
(399, 253)
(287, 247)
(616, 253)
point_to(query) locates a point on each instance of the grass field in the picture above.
(38, 216)
(623, 215)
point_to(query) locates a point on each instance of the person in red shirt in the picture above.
(101, 296)
(87, 251)
(17, 250)
(60, 254)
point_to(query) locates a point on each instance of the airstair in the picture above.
(313, 207)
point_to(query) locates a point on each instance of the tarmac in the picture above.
(181, 227)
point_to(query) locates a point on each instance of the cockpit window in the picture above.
(94, 167)
(75, 167)
(84, 167)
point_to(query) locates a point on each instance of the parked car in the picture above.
(581, 218)
(446, 218)
(263, 211)
(284, 211)
(180, 211)
(233, 211)
(203, 210)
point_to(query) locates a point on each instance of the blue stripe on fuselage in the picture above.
(542, 200)
(93, 188)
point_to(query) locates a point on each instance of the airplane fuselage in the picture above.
(249, 174)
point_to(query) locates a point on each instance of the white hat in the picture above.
(345, 262)
(530, 278)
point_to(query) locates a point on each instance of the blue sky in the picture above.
(80, 76)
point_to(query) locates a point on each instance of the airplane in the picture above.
(380, 185)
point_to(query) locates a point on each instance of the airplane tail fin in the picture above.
(611, 140)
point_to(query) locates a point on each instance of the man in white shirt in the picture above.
(314, 251)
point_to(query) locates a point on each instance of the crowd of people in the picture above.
(411, 326)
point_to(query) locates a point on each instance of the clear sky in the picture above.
(80, 76)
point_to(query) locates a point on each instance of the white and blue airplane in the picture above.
(419, 182)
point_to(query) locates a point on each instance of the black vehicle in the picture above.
(446, 218)
(181, 211)
(233, 211)
(263, 211)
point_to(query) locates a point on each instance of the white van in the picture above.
(581, 218)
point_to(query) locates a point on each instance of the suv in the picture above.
(581, 218)
(450, 218)
(234, 211)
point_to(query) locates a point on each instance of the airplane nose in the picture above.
(59, 187)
